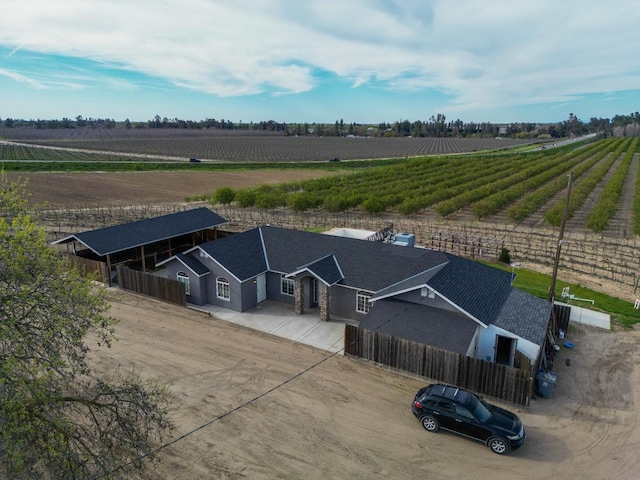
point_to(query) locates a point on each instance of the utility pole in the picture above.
(552, 289)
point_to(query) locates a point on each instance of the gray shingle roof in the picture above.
(409, 284)
(193, 264)
(365, 265)
(327, 269)
(108, 240)
(241, 254)
(525, 315)
(478, 289)
(419, 323)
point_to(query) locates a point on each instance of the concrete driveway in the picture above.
(280, 320)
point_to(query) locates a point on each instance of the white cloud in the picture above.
(20, 78)
(477, 52)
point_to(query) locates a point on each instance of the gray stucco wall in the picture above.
(197, 285)
(243, 295)
(415, 296)
(274, 289)
(249, 294)
(343, 303)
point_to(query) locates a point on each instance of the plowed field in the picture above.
(143, 188)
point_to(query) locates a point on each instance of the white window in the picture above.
(287, 285)
(222, 288)
(362, 302)
(184, 279)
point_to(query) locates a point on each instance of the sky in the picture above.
(363, 61)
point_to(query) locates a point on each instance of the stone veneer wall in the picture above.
(325, 303)
(298, 293)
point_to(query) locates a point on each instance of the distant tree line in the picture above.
(436, 126)
(79, 122)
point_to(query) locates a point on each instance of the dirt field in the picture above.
(143, 188)
(292, 411)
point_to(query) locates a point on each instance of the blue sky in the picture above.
(364, 61)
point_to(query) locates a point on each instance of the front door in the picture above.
(261, 288)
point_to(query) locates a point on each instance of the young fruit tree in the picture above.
(58, 418)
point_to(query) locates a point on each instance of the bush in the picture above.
(373, 205)
(270, 199)
(245, 198)
(224, 195)
(505, 256)
(336, 203)
(301, 201)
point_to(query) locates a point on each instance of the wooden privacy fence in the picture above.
(486, 378)
(170, 291)
(88, 267)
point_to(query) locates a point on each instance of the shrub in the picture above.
(302, 201)
(373, 205)
(505, 256)
(270, 199)
(224, 195)
(245, 198)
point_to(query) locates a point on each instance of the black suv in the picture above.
(463, 412)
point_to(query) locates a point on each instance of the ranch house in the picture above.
(426, 296)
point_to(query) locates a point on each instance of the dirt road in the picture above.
(293, 412)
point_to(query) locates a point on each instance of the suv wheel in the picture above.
(430, 423)
(498, 445)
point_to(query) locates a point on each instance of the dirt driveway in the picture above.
(295, 412)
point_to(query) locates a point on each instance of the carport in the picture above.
(158, 237)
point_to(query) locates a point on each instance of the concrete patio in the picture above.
(280, 320)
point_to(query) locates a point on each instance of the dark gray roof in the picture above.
(419, 323)
(526, 316)
(417, 281)
(366, 265)
(478, 289)
(108, 240)
(193, 264)
(327, 269)
(241, 254)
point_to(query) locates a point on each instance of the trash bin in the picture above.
(546, 383)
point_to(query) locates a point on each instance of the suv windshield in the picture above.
(480, 409)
